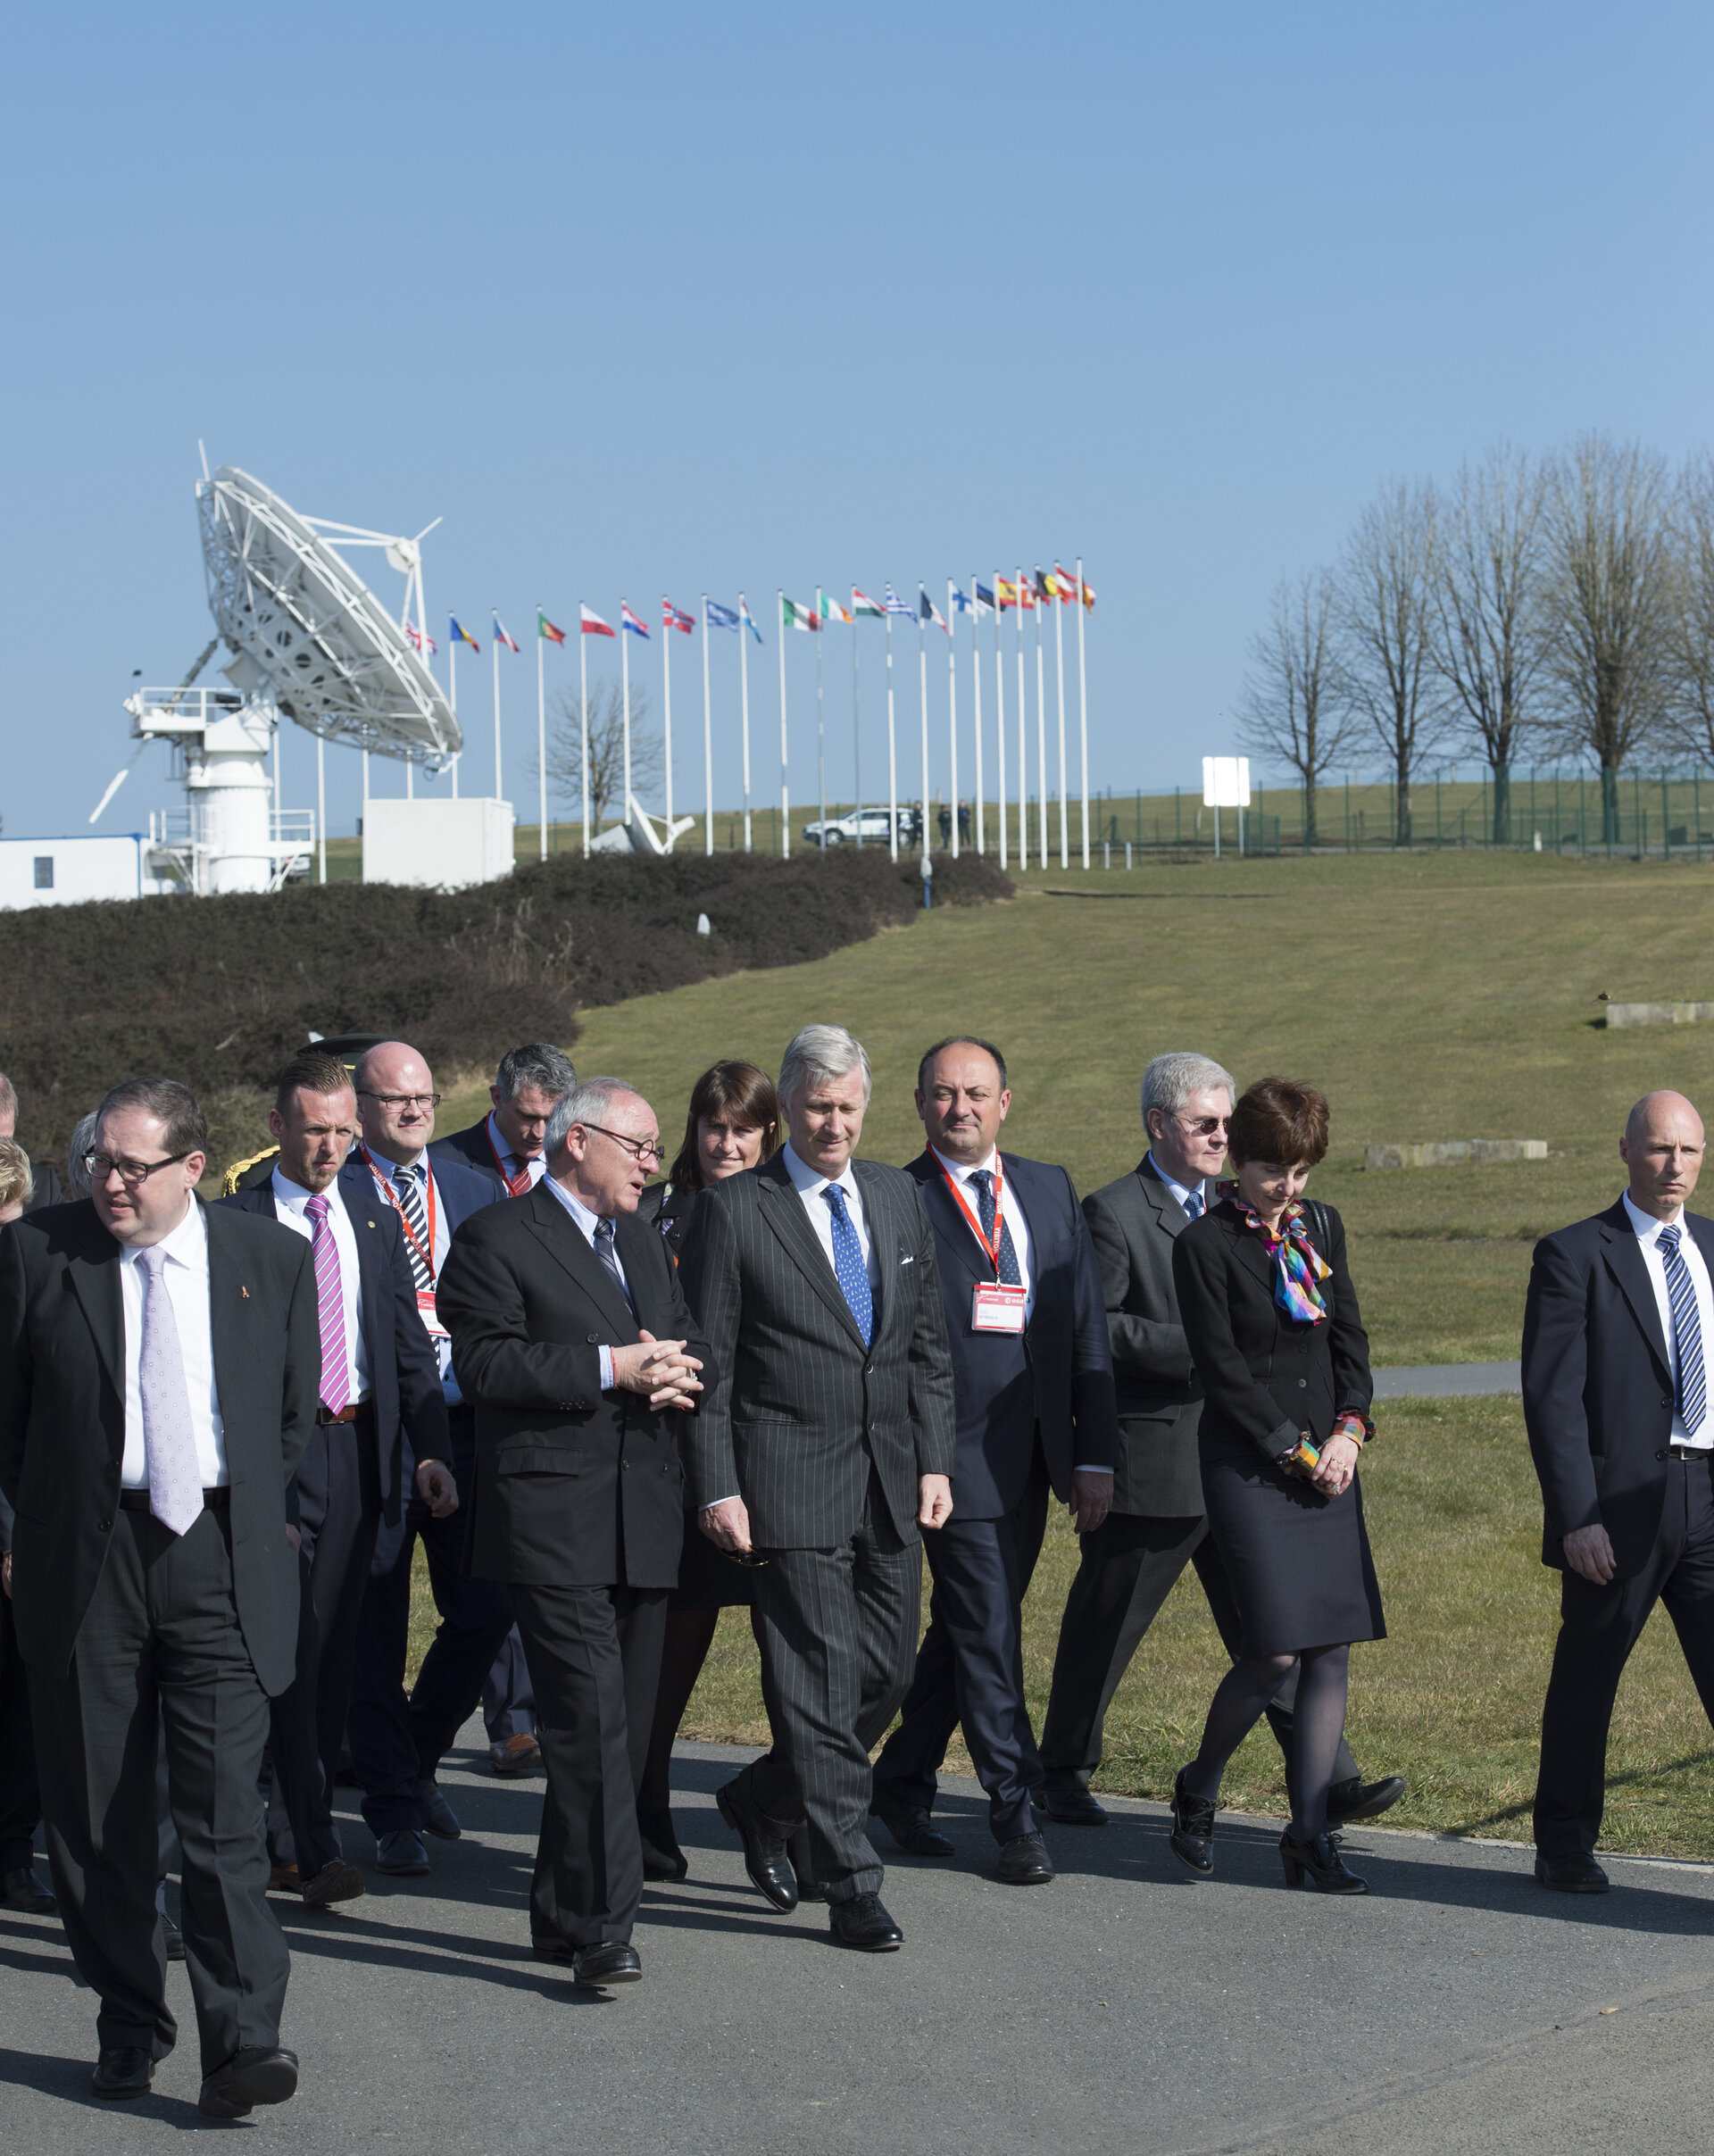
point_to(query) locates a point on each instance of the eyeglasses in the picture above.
(133, 1174)
(640, 1150)
(400, 1100)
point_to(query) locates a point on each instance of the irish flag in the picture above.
(830, 609)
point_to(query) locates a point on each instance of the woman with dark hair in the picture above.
(733, 1124)
(1283, 1359)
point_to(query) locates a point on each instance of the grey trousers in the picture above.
(160, 1648)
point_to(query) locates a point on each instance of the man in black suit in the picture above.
(572, 1342)
(826, 1442)
(397, 1745)
(1128, 1565)
(1033, 1380)
(47, 1190)
(158, 1366)
(1617, 1326)
(380, 1381)
(509, 1144)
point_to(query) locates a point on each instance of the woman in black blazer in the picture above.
(733, 1124)
(1283, 1359)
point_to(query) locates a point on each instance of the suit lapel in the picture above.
(783, 1210)
(951, 1230)
(1626, 1262)
(227, 1299)
(561, 1237)
(1170, 1214)
(1252, 1251)
(882, 1221)
(95, 1280)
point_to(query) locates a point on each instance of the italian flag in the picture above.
(794, 614)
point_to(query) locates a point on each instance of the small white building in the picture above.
(66, 871)
(444, 844)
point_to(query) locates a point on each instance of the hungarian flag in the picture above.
(545, 628)
(628, 620)
(830, 609)
(864, 608)
(592, 623)
(671, 618)
(462, 635)
(794, 614)
(500, 636)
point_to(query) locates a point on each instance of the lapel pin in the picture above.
(245, 1291)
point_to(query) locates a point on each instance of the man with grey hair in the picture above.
(825, 1442)
(1158, 1525)
(509, 1143)
(47, 1181)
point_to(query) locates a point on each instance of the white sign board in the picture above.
(446, 844)
(1226, 782)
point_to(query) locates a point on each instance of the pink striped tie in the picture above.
(331, 1306)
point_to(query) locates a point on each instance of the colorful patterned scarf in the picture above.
(1298, 1265)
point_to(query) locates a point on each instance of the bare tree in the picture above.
(1387, 614)
(1690, 718)
(1293, 708)
(606, 750)
(1488, 646)
(1610, 588)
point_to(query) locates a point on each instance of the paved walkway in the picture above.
(1125, 2010)
(1448, 1380)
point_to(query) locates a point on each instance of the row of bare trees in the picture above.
(1561, 605)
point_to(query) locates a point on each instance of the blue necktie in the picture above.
(848, 1263)
(1686, 1333)
(1196, 1204)
(1009, 1275)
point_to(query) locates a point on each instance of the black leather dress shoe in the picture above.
(765, 1856)
(336, 1881)
(663, 1859)
(1072, 1808)
(437, 1815)
(1024, 1861)
(609, 1962)
(1360, 1800)
(797, 1847)
(863, 1923)
(1573, 1875)
(1193, 1828)
(123, 2069)
(249, 2077)
(915, 1833)
(400, 1853)
(174, 1937)
(21, 1890)
(1319, 1860)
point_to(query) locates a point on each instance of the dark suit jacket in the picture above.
(47, 1191)
(459, 1189)
(471, 1149)
(1133, 1224)
(1059, 1374)
(63, 1417)
(1266, 1377)
(404, 1374)
(800, 1408)
(667, 1211)
(574, 1487)
(1597, 1399)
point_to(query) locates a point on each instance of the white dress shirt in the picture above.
(1009, 1206)
(1183, 1191)
(1648, 1238)
(421, 1171)
(512, 1163)
(289, 1200)
(586, 1223)
(809, 1184)
(185, 1275)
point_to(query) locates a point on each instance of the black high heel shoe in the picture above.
(1320, 1861)
(1193, 1828)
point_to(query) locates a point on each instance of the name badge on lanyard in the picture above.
(425, 1309)
(996, 1306)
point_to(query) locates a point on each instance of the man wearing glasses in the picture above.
(396, 1746)
(158, 1366)
(572, 1342)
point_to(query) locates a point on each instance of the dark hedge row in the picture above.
(220, 991)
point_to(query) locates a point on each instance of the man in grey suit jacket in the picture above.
(825, 1442)
(1157, 1525)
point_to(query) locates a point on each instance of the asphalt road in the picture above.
(1125, 2008)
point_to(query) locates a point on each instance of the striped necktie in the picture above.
(1686, 1333)
(409, 1187)
(1010, 1275)
(330, 1306)
(609, 1256)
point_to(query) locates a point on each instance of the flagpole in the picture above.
(1083, 715)
(321, 808)
(820, 720)
(451, 698)
(743, 689)
(951, 710)
(707, 744)
(1058, 662)
(625, 681)
(1000, 713)
(976, 689)
(922, 706)
(666, 697)
(493, 654)
(1041, 719)
(1023, 732)
(856, 719)
(891, 749)
(785, 802)
(583, 722)
(541, 736)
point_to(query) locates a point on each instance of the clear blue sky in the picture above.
(673, 299)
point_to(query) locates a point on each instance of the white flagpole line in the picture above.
(976, 687)
(451, 697)
(667, 634)
(922, 707)
(744, 691)
(707, 744)
(784, 799)
(625, 680)
(321, 808)
(1059, 661)
(952, 708)
(1023, 733)
(892, 750)
(493, 654)
(1041, 721)
(1083, 715)
(583, 722)
(541, 735)
(856, 719)
(820, 723)
(1000, 711)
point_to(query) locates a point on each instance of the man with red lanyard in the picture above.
(1033, 1387)
(396, 1746)
(507, 1143)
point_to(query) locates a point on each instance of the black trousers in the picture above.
(340, 1499)
(595, 1662)
(398, 1744)
(508, 1698)
(970, 1667)
(20, 1804)
(1128, 1567)
(1598, 1629)
(160, 1647)
(838, 1629)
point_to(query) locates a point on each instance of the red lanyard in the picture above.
(518, 1185)
(990, 1251)
(386, 1183)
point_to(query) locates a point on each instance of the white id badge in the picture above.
(997, 1308)
(430, 1317)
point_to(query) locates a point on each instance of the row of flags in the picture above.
(1006, 593)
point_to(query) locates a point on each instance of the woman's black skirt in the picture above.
(1299, 1562)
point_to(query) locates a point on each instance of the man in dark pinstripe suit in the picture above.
(825, 1442)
